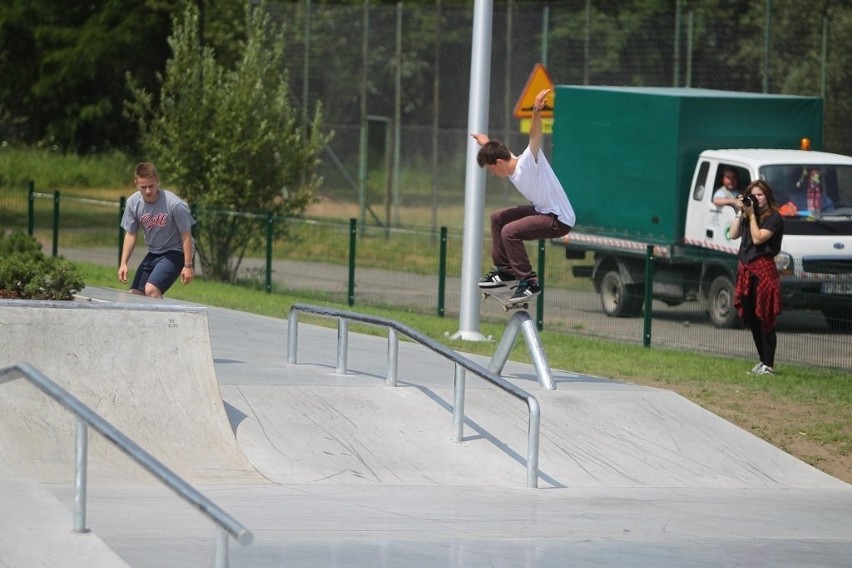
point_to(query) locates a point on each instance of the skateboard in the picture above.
(502, 294)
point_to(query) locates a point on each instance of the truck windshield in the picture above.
(812, 190)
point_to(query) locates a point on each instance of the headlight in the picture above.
(784, 264)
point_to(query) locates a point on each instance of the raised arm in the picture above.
(535, 125)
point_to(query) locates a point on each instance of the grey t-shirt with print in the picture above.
(162, 222)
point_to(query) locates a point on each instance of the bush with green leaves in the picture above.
(19, 242)
(25, 273)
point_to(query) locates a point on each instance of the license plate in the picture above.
(837, 288)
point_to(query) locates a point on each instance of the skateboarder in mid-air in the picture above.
(549, 214)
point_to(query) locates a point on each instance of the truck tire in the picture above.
(837, 318)
(619, 299)
(720, 303)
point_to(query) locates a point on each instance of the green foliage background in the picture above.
(230, 139)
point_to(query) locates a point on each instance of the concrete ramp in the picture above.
(147, 369)
(593, 435)
(362, 435)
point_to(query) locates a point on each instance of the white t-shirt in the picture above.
(537, 181)
(724, 192)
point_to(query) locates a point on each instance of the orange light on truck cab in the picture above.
(805, 144)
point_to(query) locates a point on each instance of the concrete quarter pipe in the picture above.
(148, 370)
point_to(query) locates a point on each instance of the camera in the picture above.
(747, 201)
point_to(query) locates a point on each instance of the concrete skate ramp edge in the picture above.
(148, 370)
(620, 436)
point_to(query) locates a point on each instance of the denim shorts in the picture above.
(162, 270)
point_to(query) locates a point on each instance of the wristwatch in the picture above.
(189, 265)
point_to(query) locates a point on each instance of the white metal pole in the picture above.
(474, 196)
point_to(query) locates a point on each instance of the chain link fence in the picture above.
(394, 79)
(413, 270)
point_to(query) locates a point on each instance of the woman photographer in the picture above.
(757, 296)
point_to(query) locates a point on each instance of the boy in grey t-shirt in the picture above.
(167, 224)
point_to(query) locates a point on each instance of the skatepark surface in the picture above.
(334, 470)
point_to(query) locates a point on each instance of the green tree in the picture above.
(63, 65)
(230, 139)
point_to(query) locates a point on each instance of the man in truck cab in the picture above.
(549, 214)
(729, 190)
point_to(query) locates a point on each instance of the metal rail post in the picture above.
(458, 403)
(521, 321)
(292, 336)
(342, 344)
(81, 476)
(393, 357)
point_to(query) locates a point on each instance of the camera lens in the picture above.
(747, 200)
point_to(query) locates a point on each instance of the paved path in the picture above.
(358, 474)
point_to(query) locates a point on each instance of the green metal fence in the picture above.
(419, 270)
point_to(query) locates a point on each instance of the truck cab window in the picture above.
(700, 181)
(812, 190)
(728, 184)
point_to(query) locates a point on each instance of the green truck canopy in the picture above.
(626, 156)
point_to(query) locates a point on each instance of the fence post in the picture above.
(31, 208)
(269, 220)
(56, 223)
(442, 272)
(353, 230)
(122, 205)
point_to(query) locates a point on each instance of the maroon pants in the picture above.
(510, 227)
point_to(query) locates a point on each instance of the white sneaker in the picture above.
(762, 370)
(755, 369)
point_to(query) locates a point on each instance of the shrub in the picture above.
(19, 242)
(25, 272)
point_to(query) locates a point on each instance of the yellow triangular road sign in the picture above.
(538, 81)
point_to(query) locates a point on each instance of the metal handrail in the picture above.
(226, 524)
(461, 364)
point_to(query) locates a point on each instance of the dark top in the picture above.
(749, 251)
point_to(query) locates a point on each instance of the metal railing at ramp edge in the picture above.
(461, 364)
(85, 416)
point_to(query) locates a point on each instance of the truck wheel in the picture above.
(619, 299)
(837, 318)
(722, 312)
